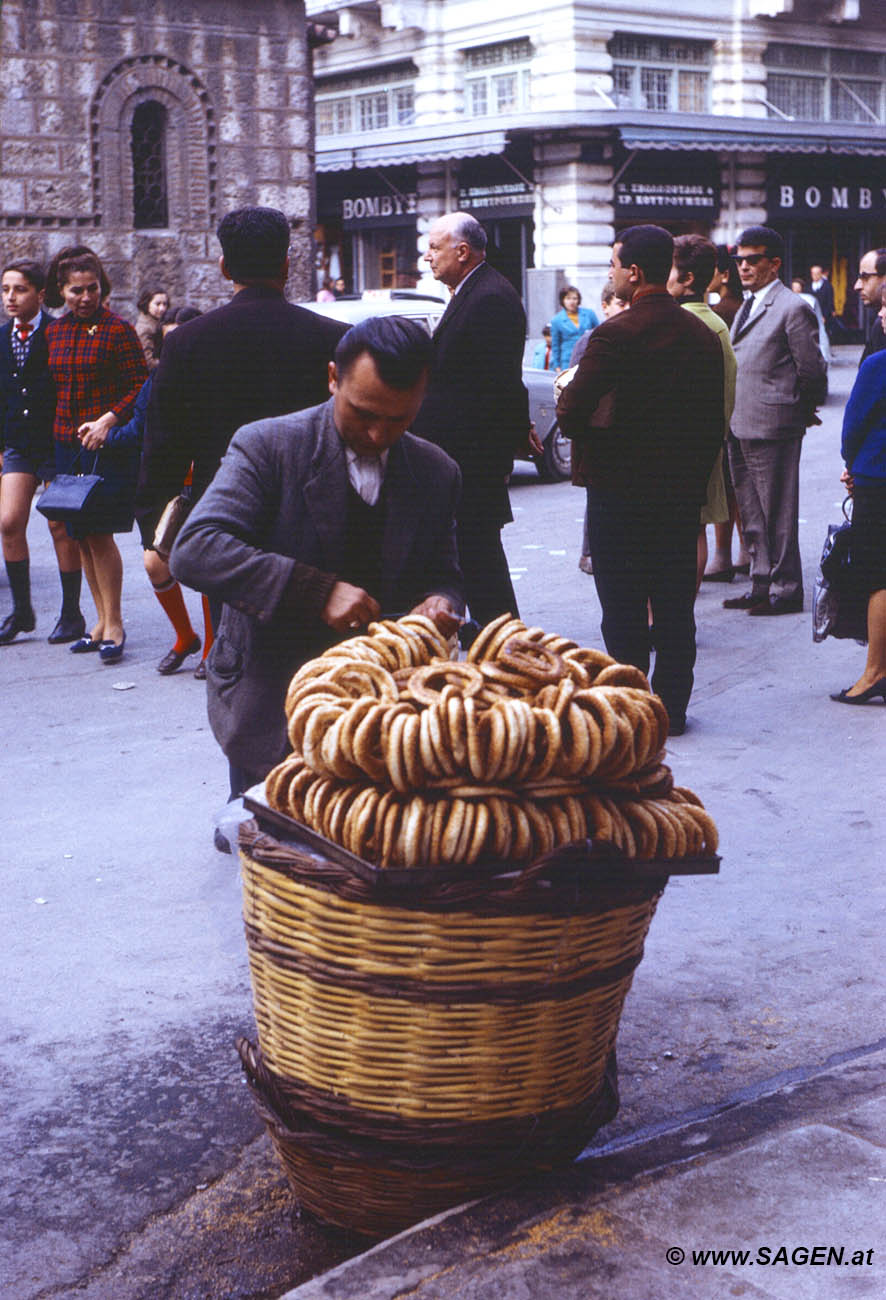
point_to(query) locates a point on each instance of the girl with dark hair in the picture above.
(98, 367)
(153, 304)
(27, 408)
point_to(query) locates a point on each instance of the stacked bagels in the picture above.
(407, 758)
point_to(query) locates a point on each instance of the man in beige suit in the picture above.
(782, 378)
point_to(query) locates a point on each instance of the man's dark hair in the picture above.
(63, 264)
(32, 271)
(650, 248)
(763, 237)
(144, 298)
(880, 254)
(401, 349)
(696, 254)
(255, 243)
(182, 315)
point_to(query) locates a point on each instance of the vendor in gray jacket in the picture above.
(315, 524)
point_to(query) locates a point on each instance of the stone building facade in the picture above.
(559, 124)
(132, 126)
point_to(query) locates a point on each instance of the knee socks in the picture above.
(19, 574)
(170, 597)
(70, 581)
(208, 634)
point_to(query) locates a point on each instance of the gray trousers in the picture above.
(766, 477)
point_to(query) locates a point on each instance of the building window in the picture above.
(367, 101)
(814, 84)
(497, 78)
(661, 75)
(149, 201)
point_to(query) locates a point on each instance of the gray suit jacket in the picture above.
(782, 375)
(267, 538)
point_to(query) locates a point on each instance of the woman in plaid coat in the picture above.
(98, 366)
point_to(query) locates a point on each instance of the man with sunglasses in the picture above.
(869, 286)
(782, 378)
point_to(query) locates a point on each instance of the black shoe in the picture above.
(750, 600)
(864, 697)
(18, 621)
(677, 726)
(70, 627)
(719, 575)
(779, 605)
(170, 663)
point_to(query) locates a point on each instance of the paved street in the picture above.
(134, 1167)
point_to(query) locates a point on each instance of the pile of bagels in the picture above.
(407, 757)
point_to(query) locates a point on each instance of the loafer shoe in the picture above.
(171, 662)
(111, 652)
(20, 620)
(779, 605)
(84, 646)
(719, 575)
(67, 629)
(750, 600)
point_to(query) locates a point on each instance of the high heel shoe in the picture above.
(878, 689)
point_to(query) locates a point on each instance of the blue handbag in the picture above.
(66, 496)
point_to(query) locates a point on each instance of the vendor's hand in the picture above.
(536, 447)
(349, 608)
(94, 433)
(441, 613)
(848, 482)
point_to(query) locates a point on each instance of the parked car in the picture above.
(554, 464)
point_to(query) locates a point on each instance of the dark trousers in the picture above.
(483, 562)
(647, 553)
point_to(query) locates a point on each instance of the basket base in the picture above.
(377, 1188)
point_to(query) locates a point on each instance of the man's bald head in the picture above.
(456, 245)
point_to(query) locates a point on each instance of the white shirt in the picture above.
(366, 474)
(759, 295)
(33, 322)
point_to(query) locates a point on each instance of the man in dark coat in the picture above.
(476, 407)
(316, 523)
(869, 286)
(257, 356)
(645, 413)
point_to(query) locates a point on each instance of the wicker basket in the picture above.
(420, 1048)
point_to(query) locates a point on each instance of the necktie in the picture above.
(23, 331)
(744, 312)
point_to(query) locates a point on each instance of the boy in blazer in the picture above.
(782, 378)
(27, 408)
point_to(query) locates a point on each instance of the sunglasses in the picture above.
(752, 259)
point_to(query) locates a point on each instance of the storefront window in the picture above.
(651, 73)
(815, 84)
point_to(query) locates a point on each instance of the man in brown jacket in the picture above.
(645, 413)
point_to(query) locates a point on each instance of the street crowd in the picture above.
(308, 479)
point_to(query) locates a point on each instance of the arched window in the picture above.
(149, 199)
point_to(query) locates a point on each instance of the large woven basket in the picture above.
(423, 1047)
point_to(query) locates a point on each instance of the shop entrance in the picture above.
(838, 249)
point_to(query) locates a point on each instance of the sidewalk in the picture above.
(786, 1174)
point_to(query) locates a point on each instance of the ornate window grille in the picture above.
(149, 199)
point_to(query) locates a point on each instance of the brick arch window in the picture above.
(150, 207)
(153, 147)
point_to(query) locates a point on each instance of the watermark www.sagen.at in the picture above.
(816, 1256)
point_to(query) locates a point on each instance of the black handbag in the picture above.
(66, 496)
(839, 604)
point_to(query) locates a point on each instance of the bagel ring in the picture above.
(537, 662)
(428, 682)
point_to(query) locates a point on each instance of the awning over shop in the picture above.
(749, 135)
(393, 148)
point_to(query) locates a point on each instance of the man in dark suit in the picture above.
(476, 407)
(27, 410)
(821, 286)
(645, 415)
(257, 356)
(782, 377)
(315, 524)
